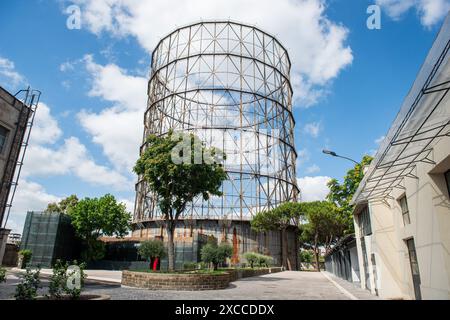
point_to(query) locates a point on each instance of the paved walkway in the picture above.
(288, 285)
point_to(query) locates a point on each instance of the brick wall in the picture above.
(161, 281)
(190, 282)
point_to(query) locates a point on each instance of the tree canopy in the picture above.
(152, 249)
(280, 218)
(96, 217)
(62, 206)
(341, 194)
(324, 226)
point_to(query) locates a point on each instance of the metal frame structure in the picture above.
(422, 121)
(30, 100)
(228, 83)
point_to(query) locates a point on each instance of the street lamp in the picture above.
(333, 154)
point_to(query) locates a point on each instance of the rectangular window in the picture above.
(3, 136)
(447, 179)
(364, 222)
(405, 210)
(414, 263)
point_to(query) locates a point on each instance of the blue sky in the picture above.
(349, 81)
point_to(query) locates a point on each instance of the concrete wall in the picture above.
(429, 210)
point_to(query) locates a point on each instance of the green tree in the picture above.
(152, 249)
(280, 218)
(306, 256)
(324, 227)
(63, 206)
(341, 194)
(27, 289)
(252, 258)
(96, 217)
(224, 251)
(177, 183)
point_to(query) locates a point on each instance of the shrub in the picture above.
(264, 261)
(190, 265)
(2, 274)
(224, 251)
(306, 256)
(27, 289)
(213, 254)
(252, 258)
(209, 253)
(67, 279)
(25, 257)
(152, 249)
(75, 279)
(57, 280)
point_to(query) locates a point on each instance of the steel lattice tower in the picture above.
(228, 83)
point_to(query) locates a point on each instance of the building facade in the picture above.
(15, 118)
(342, 260)
(402, 206)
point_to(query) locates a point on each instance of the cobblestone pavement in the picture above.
(288, 285)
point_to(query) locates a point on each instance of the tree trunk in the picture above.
(284, 250)
(316, 251)
(171, 247)
(316, 255)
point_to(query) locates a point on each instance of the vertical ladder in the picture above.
(30, 103)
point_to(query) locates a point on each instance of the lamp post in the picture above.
(333, 154)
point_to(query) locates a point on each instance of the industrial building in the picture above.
(16, 120)
(402, 206)
(229, 84)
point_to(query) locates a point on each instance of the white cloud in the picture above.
(313, 129)
(67, 66)
(117, 129)
(8, 75)
(71, 158)
(312, 169)
(30, 196)
(379, 140)
(313, 188)
(45, 128)
(118, 132)
(112, 83)
(303, 156)
(317, 45)
(129, 204)
(430, 11)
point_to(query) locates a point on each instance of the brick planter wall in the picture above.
(189, 282)
(161, 281)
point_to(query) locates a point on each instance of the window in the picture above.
(364, 222)
(414, 263)
(3, 136)
(405, 210)
(447, 179)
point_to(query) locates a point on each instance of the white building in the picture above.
(402, 213)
